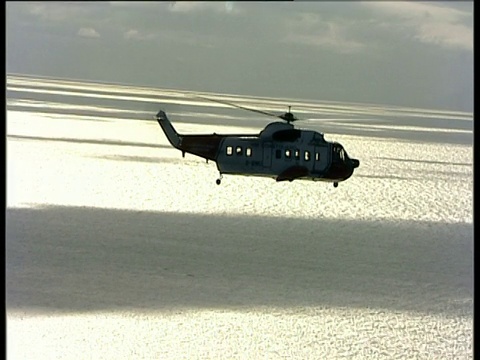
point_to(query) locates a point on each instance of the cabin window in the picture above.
(238, 150)
(297, 154)
(229, 150)
(278, 154)
(317, 156)
(248, 151)
(288, 154)
(307, 155)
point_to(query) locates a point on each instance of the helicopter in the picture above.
(280, 151)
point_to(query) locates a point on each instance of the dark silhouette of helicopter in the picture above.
(279, 151)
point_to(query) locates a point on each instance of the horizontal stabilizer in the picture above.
(161, 116)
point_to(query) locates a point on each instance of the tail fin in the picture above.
(172, 136)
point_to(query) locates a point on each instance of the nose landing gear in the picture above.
(335, 184)
(219, 180)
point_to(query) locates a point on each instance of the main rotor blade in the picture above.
(239, 106)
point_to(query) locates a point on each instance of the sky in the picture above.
(415, 54)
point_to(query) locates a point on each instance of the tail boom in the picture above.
(205, 146)
(173, 137)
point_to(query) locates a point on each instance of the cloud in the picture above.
(310, 29)
(226, 7)
(131, 4)
(428, 23)
(134, 34)
(450, 35)
(88, 32)
(57, 11)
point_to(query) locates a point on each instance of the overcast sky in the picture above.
(417, 54)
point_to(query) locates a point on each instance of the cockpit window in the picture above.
(339, 151)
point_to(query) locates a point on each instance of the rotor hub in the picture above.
(288, 116)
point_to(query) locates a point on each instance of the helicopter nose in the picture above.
(355, 163)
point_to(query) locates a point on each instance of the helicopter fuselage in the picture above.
(279, 151)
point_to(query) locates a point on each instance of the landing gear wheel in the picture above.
(218, 181)
(335, 184)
